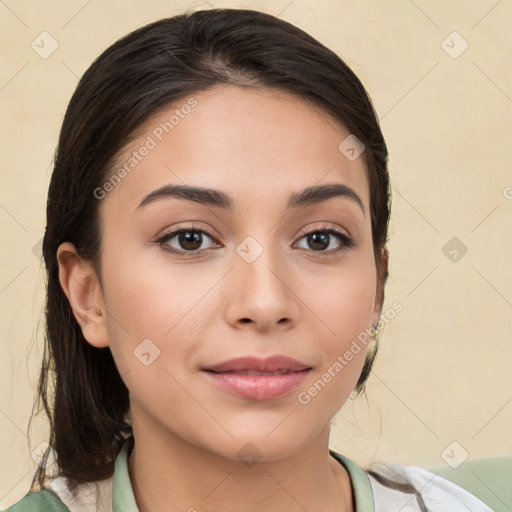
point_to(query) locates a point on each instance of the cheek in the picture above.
(343, 300)
(146, 298)
(344, 303)
(152, 315)
(149, 300)
(345, 308)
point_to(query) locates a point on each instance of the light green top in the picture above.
(124, 500)
(489, 479)
(489, 482)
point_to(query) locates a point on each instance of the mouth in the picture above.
(258, 379)
(277, 364)
(254, 372)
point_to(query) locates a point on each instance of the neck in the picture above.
(169, 474)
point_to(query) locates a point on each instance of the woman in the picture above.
(216, 251)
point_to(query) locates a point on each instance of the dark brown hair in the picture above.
(83, 395)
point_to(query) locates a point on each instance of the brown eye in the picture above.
(327, 240)
(318, 241)
(190, 240)
(186, 240)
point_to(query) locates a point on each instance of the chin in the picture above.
(260, 446)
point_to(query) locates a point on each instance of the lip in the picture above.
(252, 363)
(258, 379)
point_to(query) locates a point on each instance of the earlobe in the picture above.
(82, 288)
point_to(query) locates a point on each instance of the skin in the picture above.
(258, 146)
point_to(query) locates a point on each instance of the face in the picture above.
(189, 284)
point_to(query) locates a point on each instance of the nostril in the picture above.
(246, 320)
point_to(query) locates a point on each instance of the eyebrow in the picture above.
(310, 195)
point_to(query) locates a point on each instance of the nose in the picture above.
(260, 293)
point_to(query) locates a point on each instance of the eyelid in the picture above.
(324, 226)
(190, 226)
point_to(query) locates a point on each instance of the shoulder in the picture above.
(439, 493)
(490, 479)
(57, 496)
(44, 500)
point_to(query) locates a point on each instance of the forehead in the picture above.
(253, 143)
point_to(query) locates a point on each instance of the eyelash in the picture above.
(346, 242)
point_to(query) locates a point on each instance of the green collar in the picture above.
(123, 499)
(361, 487)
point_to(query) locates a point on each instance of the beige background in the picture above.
(444, 370)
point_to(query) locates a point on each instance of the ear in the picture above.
(382, 275)
(82, 288)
